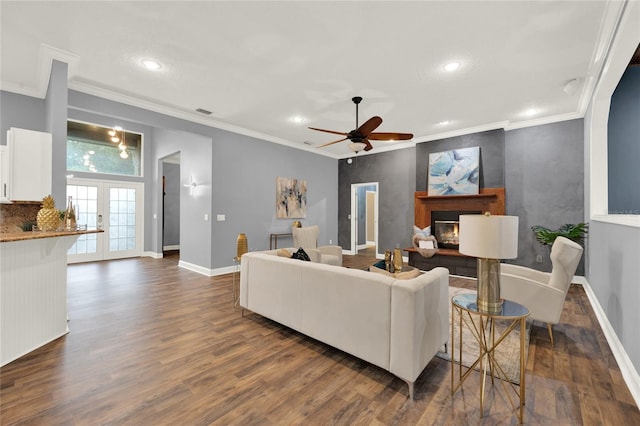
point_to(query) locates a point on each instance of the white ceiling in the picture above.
(256, 65)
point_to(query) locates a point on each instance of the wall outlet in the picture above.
(539, 258)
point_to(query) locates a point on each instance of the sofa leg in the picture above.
(550, 332)
(410, 384)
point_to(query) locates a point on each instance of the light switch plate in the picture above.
(221, 218)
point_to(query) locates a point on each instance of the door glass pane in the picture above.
(85, 200)
(122, 219)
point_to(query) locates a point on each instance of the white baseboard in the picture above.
(629, 373)
(206, 271)
(152, 254)
(173, 247)
(362, 246)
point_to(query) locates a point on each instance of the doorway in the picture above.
(115, 207)
(364, 218)
(171, 204)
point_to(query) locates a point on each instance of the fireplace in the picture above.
(445, 227)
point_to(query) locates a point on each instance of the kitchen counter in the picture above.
(33, 290)
(20, 236)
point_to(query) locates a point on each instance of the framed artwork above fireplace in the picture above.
(454, 172)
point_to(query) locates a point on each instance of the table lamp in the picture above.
(489, 238)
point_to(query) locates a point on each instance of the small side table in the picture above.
(484, 331)
(273, 239)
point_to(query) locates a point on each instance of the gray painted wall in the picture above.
(195, 161)
(544, 177)
(56, 124)
(20, 111)
(491, 145)
(395, 172)
(171, 234)
(238, 174)
(624, 145)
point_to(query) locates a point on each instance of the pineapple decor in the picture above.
(48, 218)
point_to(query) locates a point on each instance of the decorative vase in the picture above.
(242, 246)
(48, 218)
(387, 260)
(397, 260)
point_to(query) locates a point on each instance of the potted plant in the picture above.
(575, 232)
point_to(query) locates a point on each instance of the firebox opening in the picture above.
(445, 227)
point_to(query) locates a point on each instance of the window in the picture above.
(90, 149)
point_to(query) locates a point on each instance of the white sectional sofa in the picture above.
(398, 325)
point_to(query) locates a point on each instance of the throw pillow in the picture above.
(283, 253)
(424, 232)
(301, 255)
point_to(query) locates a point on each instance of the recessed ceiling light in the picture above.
(297, 119)
(452, 66)
(530, 112)
(444, 123)
(151, 64)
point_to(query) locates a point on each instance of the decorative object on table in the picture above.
(70, 216)
(48, 218)
(397, 260)
(387, 260)
(454, 172)
(242, 246)
(407, 273)
(489, 238)
(284, 253)
(575, 232)
(291, 198)
(425, 243)
(296, 224)
(27, 225)
(542, 292)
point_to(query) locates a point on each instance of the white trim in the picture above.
(152, 254)
(172, 247)
(362, 246)
(629, 373)
(618, 219)
(206, 271)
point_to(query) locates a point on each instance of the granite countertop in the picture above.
(21, 236)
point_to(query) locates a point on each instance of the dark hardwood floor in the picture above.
(153, 344)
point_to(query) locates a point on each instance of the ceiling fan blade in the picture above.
(388, 136)
(331, 143)
(328, 131)
(369, 147)
(369, 126)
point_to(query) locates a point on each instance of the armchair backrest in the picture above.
(565, 257)
(306, 237)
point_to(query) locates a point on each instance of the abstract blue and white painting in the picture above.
(454, 172)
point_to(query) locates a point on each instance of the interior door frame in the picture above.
(354, 215)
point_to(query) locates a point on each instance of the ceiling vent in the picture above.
(204, 111)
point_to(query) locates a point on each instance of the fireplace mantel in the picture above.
(488, 200)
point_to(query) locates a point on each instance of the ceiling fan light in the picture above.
(357, 146)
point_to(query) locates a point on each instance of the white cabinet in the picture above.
(30, 166)
(4, 174)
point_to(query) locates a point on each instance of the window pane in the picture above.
(90, 149)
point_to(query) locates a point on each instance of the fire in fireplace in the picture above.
(445, 227)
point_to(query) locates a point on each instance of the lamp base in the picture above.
(489, 286)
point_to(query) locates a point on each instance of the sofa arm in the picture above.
(333, 251)
(419, 322)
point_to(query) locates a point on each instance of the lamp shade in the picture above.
(489, 237)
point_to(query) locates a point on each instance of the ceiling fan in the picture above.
(362, 134)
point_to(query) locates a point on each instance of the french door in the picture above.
(115, 207)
